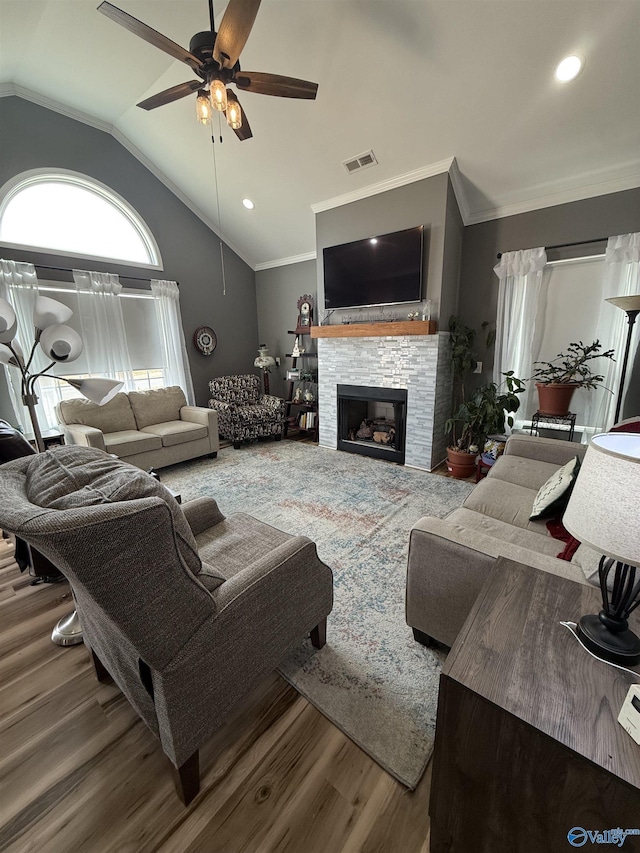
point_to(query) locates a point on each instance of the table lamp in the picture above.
(265, 362)
(603, 513)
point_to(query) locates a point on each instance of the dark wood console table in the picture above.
(527, 744)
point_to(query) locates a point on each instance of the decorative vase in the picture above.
(460, 464)
(554, 398)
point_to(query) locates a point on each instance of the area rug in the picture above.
(371, 679)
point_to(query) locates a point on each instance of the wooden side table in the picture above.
(527, 744)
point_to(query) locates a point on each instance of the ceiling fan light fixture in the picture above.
(218, 92)
(234, 115)
(203, 107)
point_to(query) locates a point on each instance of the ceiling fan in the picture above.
(214, 57)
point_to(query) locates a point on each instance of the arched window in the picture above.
(67, 213)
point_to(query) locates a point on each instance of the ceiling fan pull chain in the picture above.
(215, 175)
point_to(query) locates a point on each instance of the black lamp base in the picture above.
(622, 648)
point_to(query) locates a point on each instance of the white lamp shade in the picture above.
(49, 312)
(627, 303)
(604, 508)
(264, 361)
(96, 389)
(8, 322)
(61, 343)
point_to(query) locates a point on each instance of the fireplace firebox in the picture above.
(372, 421)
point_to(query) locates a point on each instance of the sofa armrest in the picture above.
(447, 566)
(553, 450)
(202, 513)
(206, 417)
(85, 436)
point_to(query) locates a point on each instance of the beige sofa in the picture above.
(149, 429)
(450, 558)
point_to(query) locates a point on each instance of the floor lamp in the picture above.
(630, 304)
(61, 344)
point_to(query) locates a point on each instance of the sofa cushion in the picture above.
(553, 496)
(531, 539)
(114, 416)
(176, 432)
(507, 502)
(130, 441)
(157, 405)
(68, 477)
(530, 473)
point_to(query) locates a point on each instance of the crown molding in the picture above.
(8, 89)
(384, 186)
(598, 184)
(283, 262)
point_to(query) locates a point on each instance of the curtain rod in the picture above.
(567, 245)
(69, 269)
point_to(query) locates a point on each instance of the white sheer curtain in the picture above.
(174, 351)
(520, 277)
(19, 286)
(102, 326)
(621, 278)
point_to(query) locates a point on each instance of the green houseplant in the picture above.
(487, 411)
(473, 419)
(557, 380)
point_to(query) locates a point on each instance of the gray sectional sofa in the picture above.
(149, 429)
(450, 558)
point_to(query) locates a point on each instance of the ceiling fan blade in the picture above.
(234, 30)
(244, 131)
(275, 84)
(172, 94)
(149, 35)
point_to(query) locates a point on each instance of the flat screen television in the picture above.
(383, 270)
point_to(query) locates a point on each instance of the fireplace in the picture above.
(372, 421)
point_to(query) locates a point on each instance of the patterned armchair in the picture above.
(243, 411)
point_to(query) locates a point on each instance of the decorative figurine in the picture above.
(298, 395)
(308, 396)
(297, 349)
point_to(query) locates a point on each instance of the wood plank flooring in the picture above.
(79, 771)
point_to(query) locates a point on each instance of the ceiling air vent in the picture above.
(362, 161)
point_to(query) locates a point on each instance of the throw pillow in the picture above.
(553, 496)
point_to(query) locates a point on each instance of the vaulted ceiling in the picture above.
(417, 81)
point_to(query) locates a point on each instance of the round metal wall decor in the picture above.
(205, 340)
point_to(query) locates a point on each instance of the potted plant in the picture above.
(556, 380)
(487, 411)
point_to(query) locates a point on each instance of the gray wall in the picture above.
(421, 203)
(277, 292)
(589, 219)
(33, 137)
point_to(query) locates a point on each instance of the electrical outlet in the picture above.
(478, 367)
(277, 361)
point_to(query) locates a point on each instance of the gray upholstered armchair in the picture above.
(244, 412)
(185, 609)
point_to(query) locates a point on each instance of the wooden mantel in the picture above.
(393, 328)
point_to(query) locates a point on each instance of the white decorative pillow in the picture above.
(553, 496)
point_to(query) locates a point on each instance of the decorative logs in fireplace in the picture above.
(378, 430)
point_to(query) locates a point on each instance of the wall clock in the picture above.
(205, 340)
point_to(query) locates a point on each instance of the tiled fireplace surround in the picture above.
(419, 363)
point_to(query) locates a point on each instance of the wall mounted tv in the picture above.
(383, 270)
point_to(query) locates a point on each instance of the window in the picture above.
(143, 342)
(71, 214)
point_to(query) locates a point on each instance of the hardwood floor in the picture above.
(79, 771)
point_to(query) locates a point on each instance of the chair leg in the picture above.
(278, 436)
(319, 634)
(236, 445)
(102, 673)
(187, 778)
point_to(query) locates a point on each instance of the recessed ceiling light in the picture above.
(248, 203)
(569, 68)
